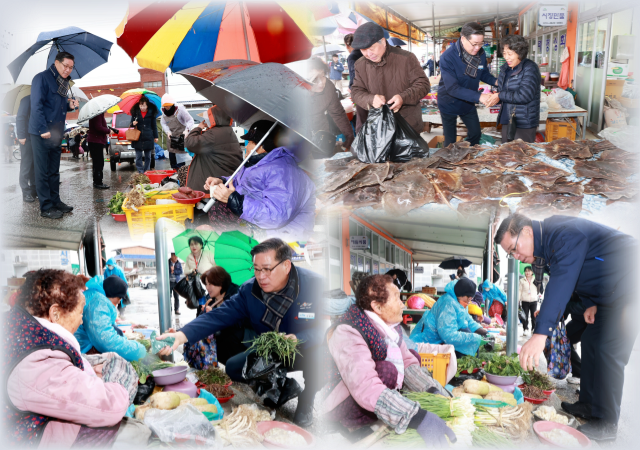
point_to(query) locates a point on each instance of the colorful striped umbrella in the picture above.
(183, 34)
(132, 96)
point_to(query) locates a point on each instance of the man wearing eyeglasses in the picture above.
(595, 262)
(49, 106)
(282, 298)
(462, 66)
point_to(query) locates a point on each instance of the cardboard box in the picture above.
(613, 89)
(429, 290)
(433, 143)
(630, 102)
(615, 70)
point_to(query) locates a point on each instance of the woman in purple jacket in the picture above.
(98, 139)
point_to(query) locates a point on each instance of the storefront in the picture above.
(377, 253)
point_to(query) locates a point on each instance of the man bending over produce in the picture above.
(281, 298)
(368, 363)
(98, 332)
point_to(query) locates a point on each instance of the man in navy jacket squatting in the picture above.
(595, 262)
(281, 297)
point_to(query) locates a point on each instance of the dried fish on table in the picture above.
(470, 188)
(504, 157)
(609, 170)
(405, 192)
(335, 165)
(417, 164)
(522, 146)
(566, 148)
(560, 188)
(619, 155)
(456, 152)
(614, 190)
(341, 177)
(497, 186)
(542, 205)
(372, 175)
(542, 173)
(362, 197)
(480, 207)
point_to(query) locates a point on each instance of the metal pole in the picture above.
(244, 28)
(96, 248)
(512, 307)
(210, 203)
(324, 46)
(489, 255)
(433, 21)
(162, 272)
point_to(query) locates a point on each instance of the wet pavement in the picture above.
(24, 227)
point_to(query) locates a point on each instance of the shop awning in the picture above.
(434, 237)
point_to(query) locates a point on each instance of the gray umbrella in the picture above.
(97, 106)
(248, 91)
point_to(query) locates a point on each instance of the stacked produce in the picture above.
(186, 193)
(275, 345)
(115, 204)
(550, 414)
(511, 422)
(483, 390)
(213, 376)
(505, 366)
(537, 379)
(172, 400)
(145, 366)
(239, 428)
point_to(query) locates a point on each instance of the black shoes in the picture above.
(52, 213)
(304, 412)
(28, 198)
(63, 207)
(599, 430)
(177, 313)
(101, 186)
(578, 409)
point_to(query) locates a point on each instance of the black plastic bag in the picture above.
(386, 136)
(522, 316)
(457, 381)
(373, 142)
(407, 143)
(177, 143)
(191, 289)
(144, 391)
(269, 378)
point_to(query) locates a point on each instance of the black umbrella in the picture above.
(401, 277)
(454, 262)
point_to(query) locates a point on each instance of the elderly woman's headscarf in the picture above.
(218, 118)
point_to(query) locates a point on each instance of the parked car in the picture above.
(148, 281)
(120, 149)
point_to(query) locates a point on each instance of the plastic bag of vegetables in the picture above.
(185, 423)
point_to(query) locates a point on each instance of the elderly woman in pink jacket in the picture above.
(57, 397)
(369, 364)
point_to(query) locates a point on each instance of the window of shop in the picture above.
(367, 233)
(129, 264)
(588, 5)
(374, 244)
(334, 261)
(149, 263)
(376, 267)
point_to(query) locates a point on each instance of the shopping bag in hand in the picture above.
(191, 289)
(557, 350)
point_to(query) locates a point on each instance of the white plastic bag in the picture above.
(183, 157)
(185, 423)
(564, 98)
(625, 137)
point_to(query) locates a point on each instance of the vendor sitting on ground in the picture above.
(56, 397)
(491, 292)
(270, 192)
(217, 150)
(369, 362)
(448, 322)
(97, 332)
(282, 298)
(114, 269)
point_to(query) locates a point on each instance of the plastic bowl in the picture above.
(225, 399)
(146, 332)
(263, 427)
(156, 176)
(500, 380)
(536, 401)
(184, 387)
(170, 375)
(545, 425)
(548, 393)
(119, 217)
(190, 201)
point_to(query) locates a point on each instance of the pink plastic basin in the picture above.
(184, 387)
(263, 427)
(544, 426)
(170, 375)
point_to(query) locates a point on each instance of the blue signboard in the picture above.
(563, 40)
(555, 43)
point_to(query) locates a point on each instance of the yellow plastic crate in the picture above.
(144, 220)
(436, 364)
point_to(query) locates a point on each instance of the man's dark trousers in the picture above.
(97, 159)
(46, 154)
(27, 171)
(470, 119)
(176, 297)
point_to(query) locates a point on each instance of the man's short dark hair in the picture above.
(334, 56)
(61, 56)
(512, 224)
(348, 39)
(471, 28)
(516, 44)
(283, 251)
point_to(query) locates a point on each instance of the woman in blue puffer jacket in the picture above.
(519, 85)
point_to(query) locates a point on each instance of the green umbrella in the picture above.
(181, 242)
(232, 252)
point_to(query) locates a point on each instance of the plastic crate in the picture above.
(436, 364)
(144, 220)
(558, 129)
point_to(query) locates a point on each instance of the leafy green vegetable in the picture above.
(537, 379)
(469, 363)
(272, 343)
(505, 366)
(147, 365)
(213, 375)
(115, 204)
